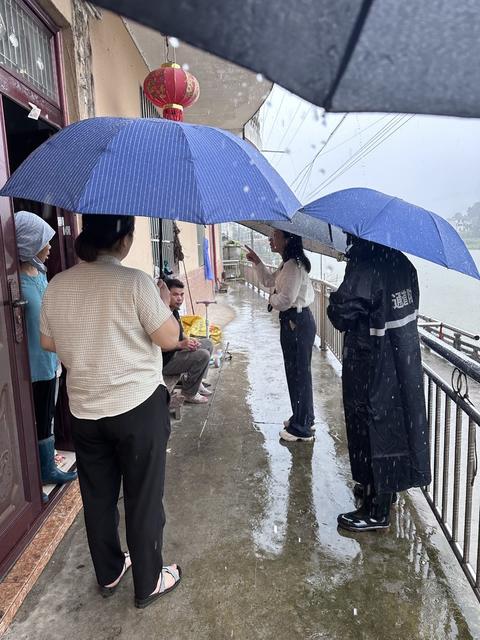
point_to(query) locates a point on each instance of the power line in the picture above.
(352, 162)
(310, 164)
(322, 152)
(358, 133)
(276, 117)
(290, 124)
(378, 134)
(302, 120)
(378, 137)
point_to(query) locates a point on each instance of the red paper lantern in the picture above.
(172, 89)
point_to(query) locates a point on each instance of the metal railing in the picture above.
(231, 269)
(464, 341)
(453, 423)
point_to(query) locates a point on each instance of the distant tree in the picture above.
(473, 216)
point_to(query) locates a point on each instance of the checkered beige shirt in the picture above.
(100, 315)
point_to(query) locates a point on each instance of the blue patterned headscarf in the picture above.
(33, 234)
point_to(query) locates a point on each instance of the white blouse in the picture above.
(293, 287)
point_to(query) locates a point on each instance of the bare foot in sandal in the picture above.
(109, 589)
(168, 580)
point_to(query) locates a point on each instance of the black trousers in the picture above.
(297, 336)
(131, 446)
(44, 405)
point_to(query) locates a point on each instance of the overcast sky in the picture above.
(430, 161)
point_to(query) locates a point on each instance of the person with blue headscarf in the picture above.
(33, 244)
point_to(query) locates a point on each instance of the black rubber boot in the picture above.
(51, 474)
(359, 492)
(372, 515)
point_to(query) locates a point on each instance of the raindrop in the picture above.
(244, 85)
(268, 104)
(185, 66)
(313, 146)
(288, 151)
(13, 40)
(275, 528)
(324, 119)
(259, 77)
(174, 42)
(40, 64)
(246, 189)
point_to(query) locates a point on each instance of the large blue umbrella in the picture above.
(153, 167)
(390, 221)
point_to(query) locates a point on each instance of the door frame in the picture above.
(20, 374)
(17, 533)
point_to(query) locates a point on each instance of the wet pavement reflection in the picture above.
(307, 486)
(253, 524)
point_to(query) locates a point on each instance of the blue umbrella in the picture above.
(317, 236)
(153, 167)
(390, 221)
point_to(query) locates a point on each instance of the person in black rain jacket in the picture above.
(376, 306)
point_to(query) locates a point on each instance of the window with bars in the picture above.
(27, 48)
(161, 231)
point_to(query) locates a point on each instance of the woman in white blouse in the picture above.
(292, 296)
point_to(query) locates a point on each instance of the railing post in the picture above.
(471, 463)
(323, 317)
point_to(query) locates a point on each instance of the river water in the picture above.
(444, 294)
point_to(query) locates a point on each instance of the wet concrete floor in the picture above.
(253, 524)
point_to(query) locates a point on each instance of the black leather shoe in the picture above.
(373, 514)
(359, 492)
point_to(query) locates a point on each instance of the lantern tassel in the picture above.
(173, 112)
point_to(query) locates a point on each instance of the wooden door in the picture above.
(20, 495)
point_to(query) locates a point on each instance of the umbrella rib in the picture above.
(91, 174)
(349, 50)
(441, 242)
(197, 182)
(379, 213)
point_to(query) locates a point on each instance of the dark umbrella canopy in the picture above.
(317, 236)
(408, 56)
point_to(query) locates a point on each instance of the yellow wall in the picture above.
(118, 72)
(188, 239)
(59, 10)
(118, 68)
